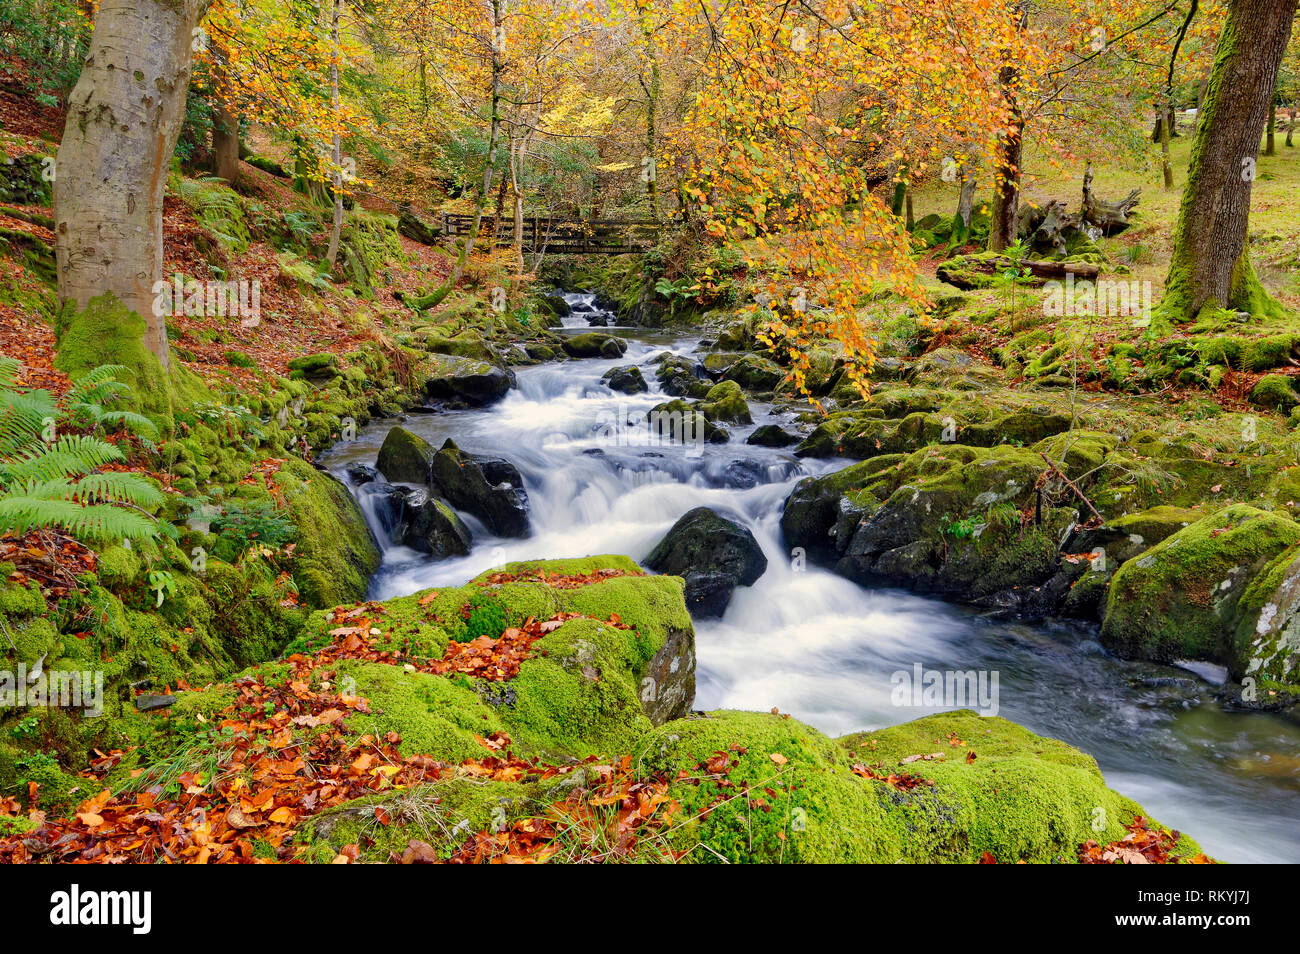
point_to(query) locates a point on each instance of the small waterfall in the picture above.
(584, 312)
(812, 643)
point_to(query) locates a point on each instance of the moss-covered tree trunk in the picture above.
(1006, 168)
(225, 143)
(124, 117)
(336, 143)
(1211, 263)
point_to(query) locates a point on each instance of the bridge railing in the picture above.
(559, 235)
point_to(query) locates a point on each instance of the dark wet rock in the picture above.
(405, 457)
(628, 380)
(152, 702)
(432, 526)
(771, 435)
(386, 506)
(682, 377)
(713, 555)
(490, 488)
(359, 473)
(472, 382)
(593, 344)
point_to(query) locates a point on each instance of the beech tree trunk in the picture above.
(336, 144)
(1270, 142)
(225, 143)
(1006, 169)
(124, 117)
(965, 205)
(1006, 185)
(1211, 263)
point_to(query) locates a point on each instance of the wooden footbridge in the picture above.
(559, 236)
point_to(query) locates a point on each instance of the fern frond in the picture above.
(129, 421)
(68, 457)
(117, 488)
(97, 522)
(9, 368)
(97, 384)
(22, 419)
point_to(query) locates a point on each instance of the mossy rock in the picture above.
(1023, 798)
(1184, 597)
(756, 373)
(335, 554)
(1275, 391)
(627, 380)
(594, 344)
(405, 457)
(725, 403)
(466, 380)
(315, 367)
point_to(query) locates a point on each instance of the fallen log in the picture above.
(981, 271)
(415, 228)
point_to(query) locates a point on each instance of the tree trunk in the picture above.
(965, 206)
(494, 135)
(1166, 166)
(1006, 168)
(1270, 143)
(1006, 185)
(336, 143)
(124, 118)
(225, 143)
(1290, 128)
(1211, 263)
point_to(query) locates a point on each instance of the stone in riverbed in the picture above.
(432, 527)
(1224, 589)
(713, 555)
(771, 435)
(405, 457)
(628, 380)
(593, 344)
(490, 488)
(466, 380)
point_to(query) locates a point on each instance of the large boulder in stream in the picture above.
(593, 344)
(713, 555)
(432, 527)
(935, 521)
(627, 380)
(490, 488)
(405, 457)
(1225, 589)
(466, 380)
(682, 377)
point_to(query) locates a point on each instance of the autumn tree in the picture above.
(1211, 267)
(124, 118)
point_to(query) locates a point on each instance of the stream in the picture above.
(820, 647)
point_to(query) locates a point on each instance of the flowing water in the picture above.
(822, 648)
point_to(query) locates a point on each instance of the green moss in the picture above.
(1179, 600)
(335, 555)
(1022, 798)
(1275, 391)
(434, 715)
(725, 402)
(105, 332)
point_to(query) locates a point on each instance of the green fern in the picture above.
(59, 483)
